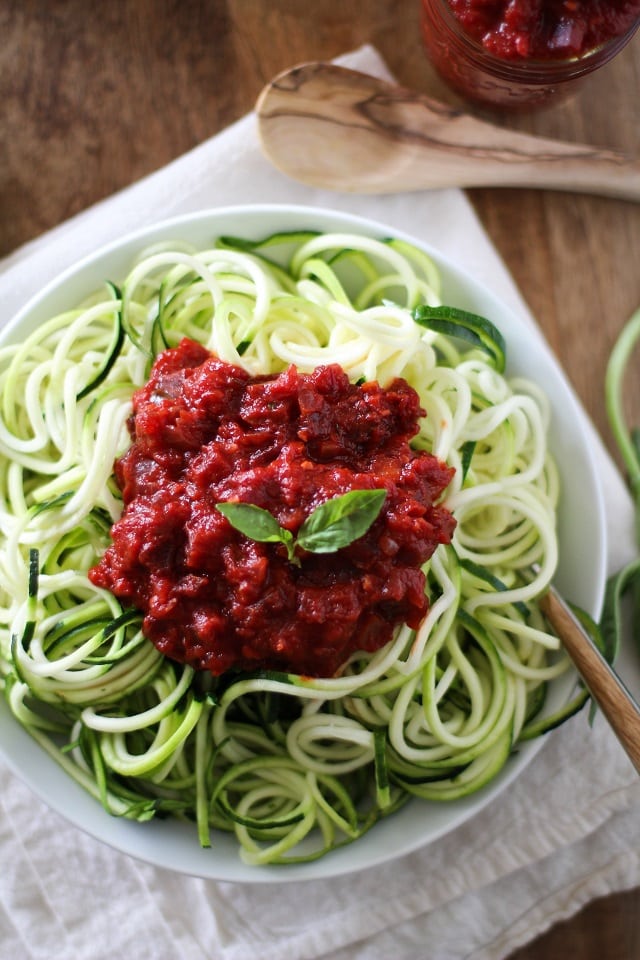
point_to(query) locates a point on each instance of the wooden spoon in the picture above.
(343, 130)
(607, 689)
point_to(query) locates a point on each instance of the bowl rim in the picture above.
(148, 842)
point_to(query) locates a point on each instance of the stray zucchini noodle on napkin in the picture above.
(294, 765)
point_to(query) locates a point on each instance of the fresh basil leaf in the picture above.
(339, 521)
(254, 522)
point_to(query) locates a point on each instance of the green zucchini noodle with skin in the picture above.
(294, 766)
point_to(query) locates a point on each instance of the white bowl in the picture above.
(581, 574)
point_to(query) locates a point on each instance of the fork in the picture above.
(605, 686)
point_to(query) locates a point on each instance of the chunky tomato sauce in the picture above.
(544, 29)
(204, 432)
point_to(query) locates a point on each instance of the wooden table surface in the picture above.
(95, 96)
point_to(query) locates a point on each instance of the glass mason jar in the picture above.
(487, 79)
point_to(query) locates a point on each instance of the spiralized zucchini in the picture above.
(293, 766)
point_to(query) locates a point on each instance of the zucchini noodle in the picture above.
(293, 766)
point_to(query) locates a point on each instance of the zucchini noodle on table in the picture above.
(293, 765)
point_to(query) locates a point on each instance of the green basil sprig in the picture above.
(334, 524)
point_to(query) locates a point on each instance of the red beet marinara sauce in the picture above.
(521, 54)
(544, 29)
(204, 432)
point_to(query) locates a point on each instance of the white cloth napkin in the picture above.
(566, 831)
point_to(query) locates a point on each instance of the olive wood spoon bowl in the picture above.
(343, 130)
(605, 686)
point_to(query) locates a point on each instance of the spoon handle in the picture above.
(505, 158)
(340, 129)
(605, 686)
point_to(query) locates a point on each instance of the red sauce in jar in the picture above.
(544, 29)
(522, 54)
(204, 432)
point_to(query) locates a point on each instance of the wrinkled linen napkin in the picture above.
(566, 831)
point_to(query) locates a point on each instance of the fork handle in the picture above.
(606, 687)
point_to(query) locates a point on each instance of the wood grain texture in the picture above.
(339, 129)
(95, 96)
(607, 689)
